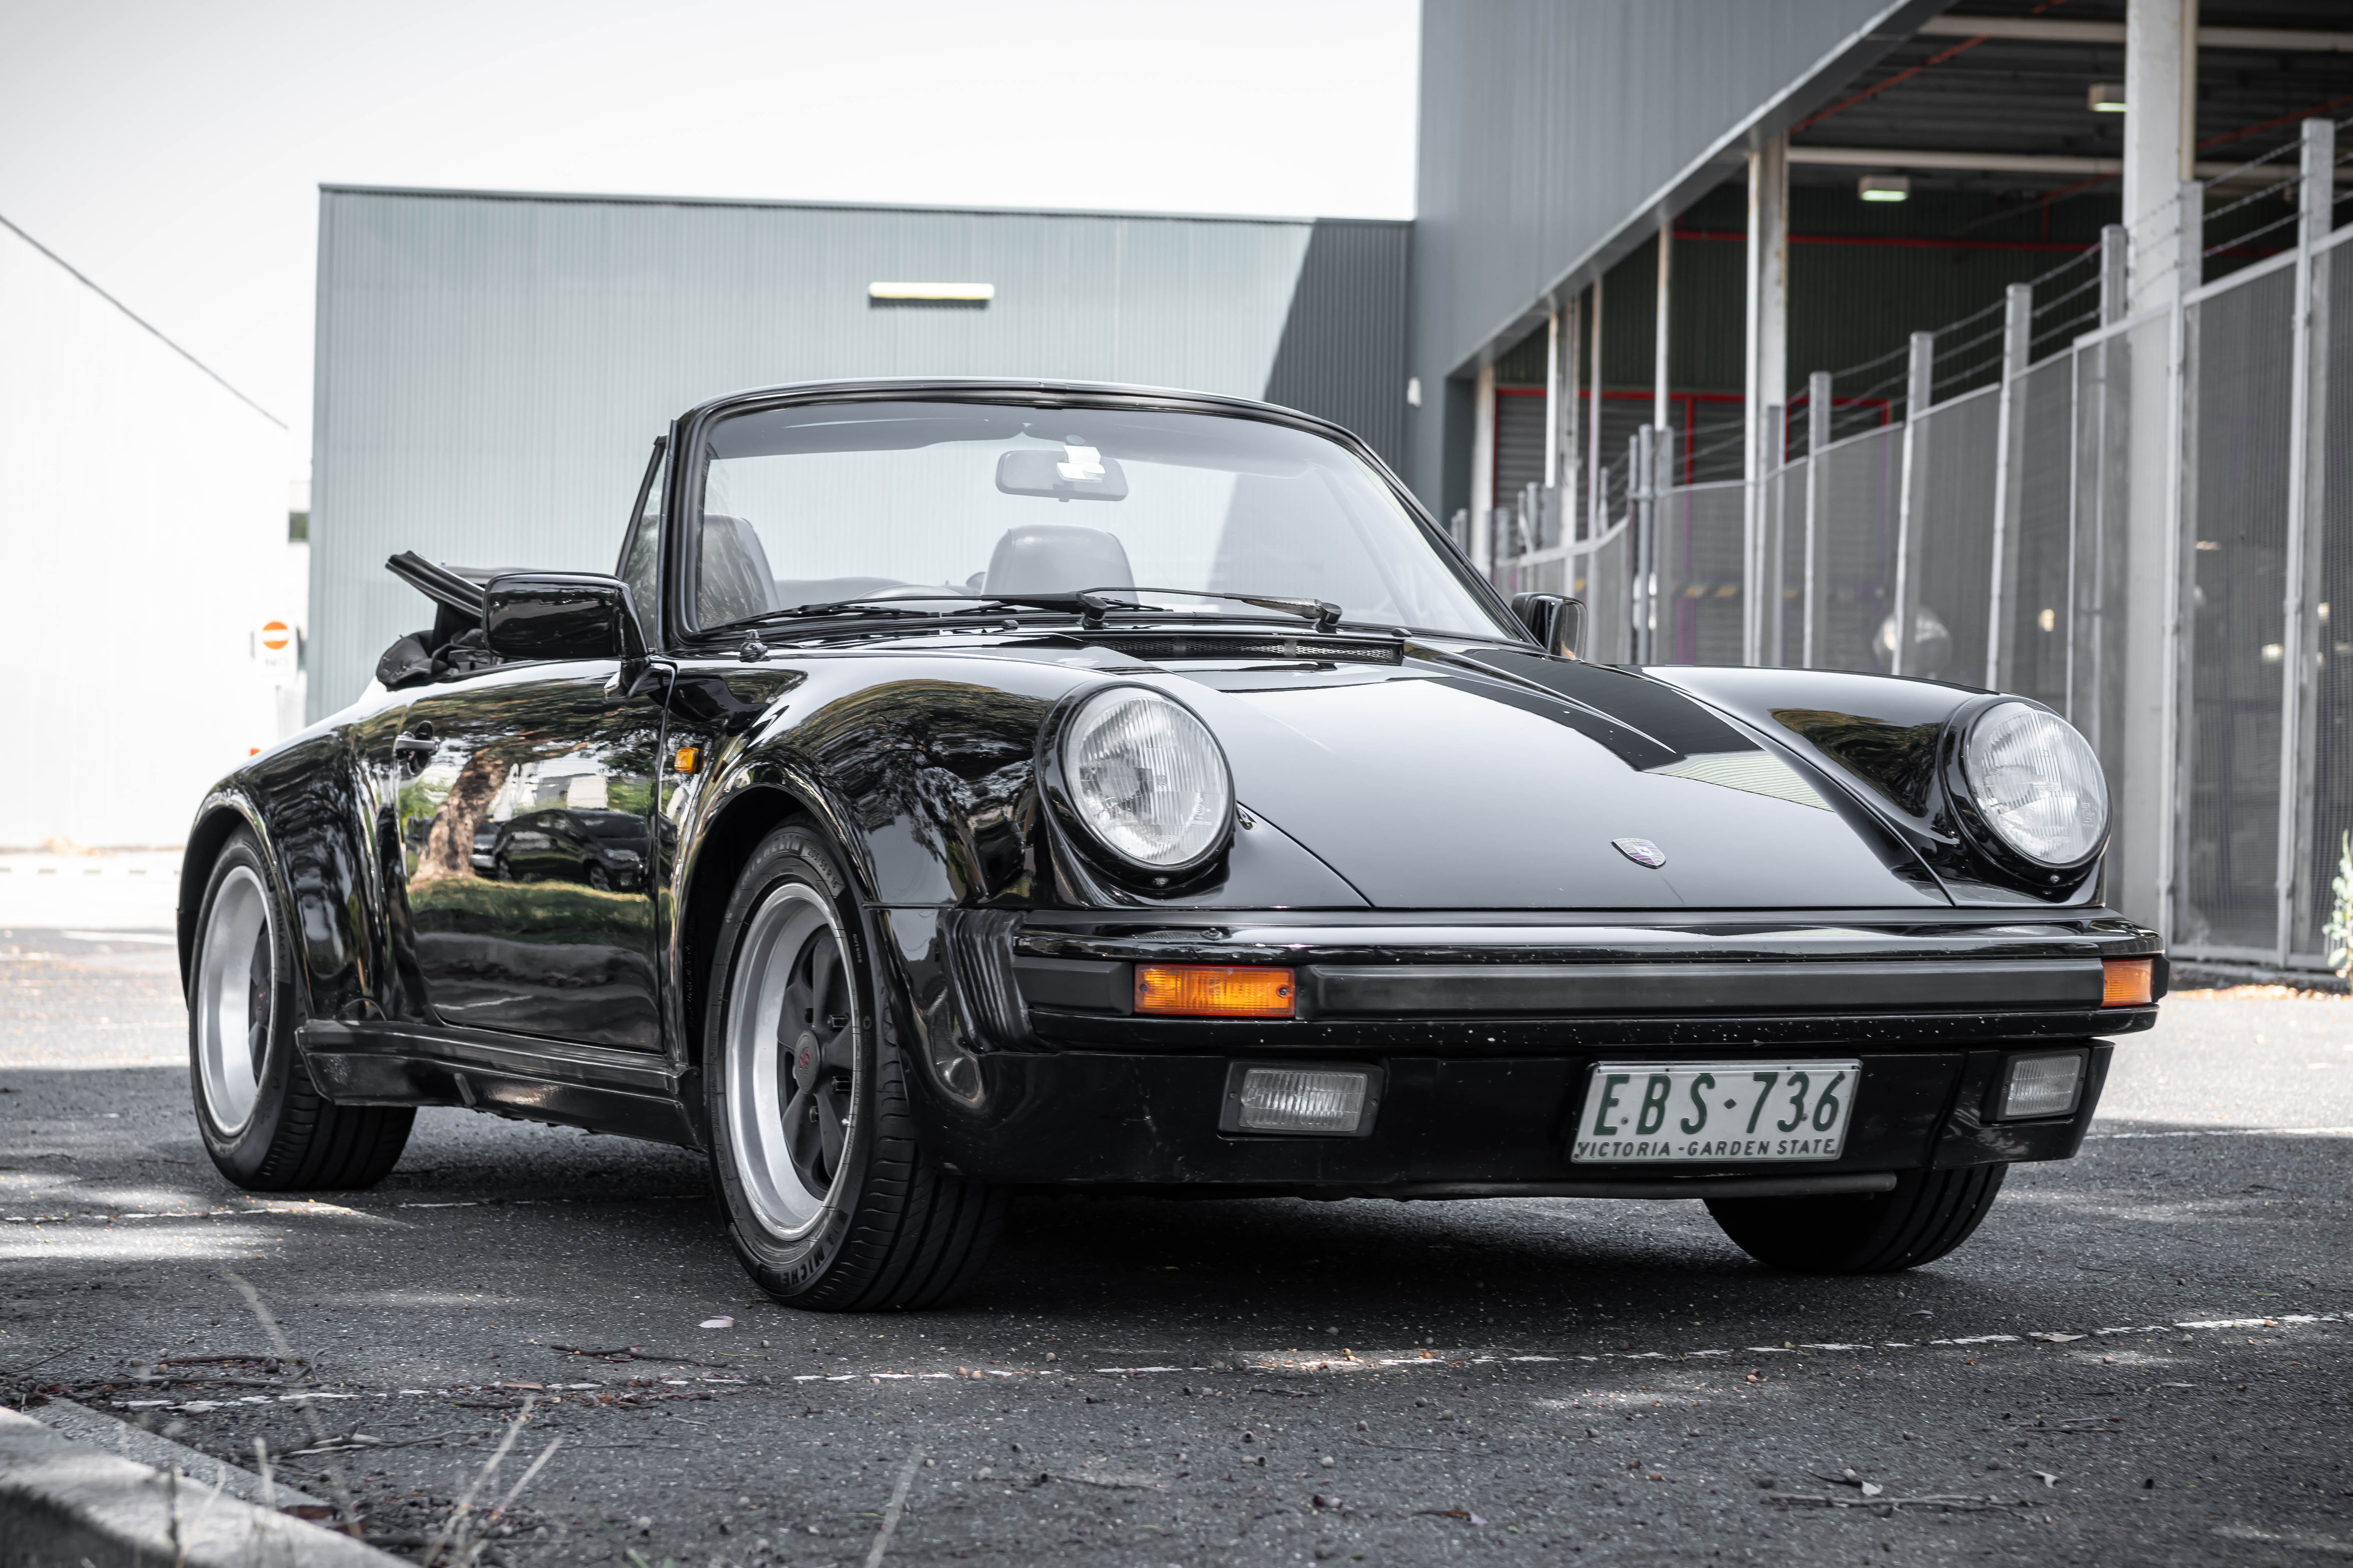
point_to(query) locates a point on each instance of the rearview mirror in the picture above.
(1067, 473)
(1554, 621)
(531, 616)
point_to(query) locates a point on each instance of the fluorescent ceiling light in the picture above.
(2106, 97)
(1884, 187)
(931, 290)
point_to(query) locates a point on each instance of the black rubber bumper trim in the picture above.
(631, 1094)
(1671, 1187)
(1434, 989)
(1538, 1036)
(1099, 1117)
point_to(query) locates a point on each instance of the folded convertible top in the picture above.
(454, 586)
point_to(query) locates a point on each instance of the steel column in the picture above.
(2307, 394)
(1642, 498)
(2116, 273)
(2160, 78)
(2008, 476)
(1659, 340)
(1919, 386)
(1818, 438)
(1767, 368)
(1482, 471)
(1596, 501)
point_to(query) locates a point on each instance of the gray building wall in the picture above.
(493, 368)
(1551, 131)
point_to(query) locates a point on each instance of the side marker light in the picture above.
(2128, 981)
(1215, 991)
(687, 760)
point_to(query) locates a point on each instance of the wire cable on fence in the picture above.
(2239, 240)
(2091, 253)
(2066, 330)
(2260, 160)
(2264, 195)
(1990, 362)
(2045, 307)
(1968, 344)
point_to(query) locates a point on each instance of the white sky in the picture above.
(171, 152)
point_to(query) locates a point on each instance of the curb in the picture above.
(110, 1435)
(65, 1504)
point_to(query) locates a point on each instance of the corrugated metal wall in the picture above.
(1548, 128)
(1343, 350)
(493, 368)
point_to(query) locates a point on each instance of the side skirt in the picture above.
(627, 1093)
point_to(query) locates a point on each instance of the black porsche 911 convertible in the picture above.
(964, 786)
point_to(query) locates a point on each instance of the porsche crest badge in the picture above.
(1640, 851)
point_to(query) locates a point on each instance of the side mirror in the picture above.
(1558, 623)
(560, 615)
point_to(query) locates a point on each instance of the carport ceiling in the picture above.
(2024, 97)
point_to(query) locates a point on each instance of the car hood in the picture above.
(1497, 779)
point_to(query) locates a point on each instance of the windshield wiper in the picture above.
(1090, 604)
(1323, 612)
(862, 606)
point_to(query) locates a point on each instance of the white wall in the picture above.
(143, 542)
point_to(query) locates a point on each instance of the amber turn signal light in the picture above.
(1214, 991)
(2128, 981)
(689, 760)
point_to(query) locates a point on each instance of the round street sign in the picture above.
(276, 636)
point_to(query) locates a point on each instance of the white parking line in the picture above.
(1277, 1363)
(2229, 1132)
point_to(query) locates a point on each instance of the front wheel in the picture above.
(812, 1140)
(265, 1124)
(1927, 1214)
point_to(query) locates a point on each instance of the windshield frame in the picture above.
(681, 522)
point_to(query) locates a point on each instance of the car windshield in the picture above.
(815, 504)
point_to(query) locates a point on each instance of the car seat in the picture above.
(735, 583)
(1057, 558)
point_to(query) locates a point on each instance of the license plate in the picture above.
(1666, 1114)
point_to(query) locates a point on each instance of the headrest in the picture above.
(735, 583)
(1057, 558)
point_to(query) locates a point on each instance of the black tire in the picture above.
(242, 1002)
(887, 1231)
(1927, 1214)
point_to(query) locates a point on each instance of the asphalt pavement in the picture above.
(2140, 1357)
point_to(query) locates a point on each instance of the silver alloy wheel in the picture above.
(235, 985)
(792, 1060)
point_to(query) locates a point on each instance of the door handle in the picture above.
(412, 751)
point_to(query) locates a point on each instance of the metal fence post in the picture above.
(2175, 638)
(1663, 460)
(1818, 438)
(2190, 235)
(1643, 502)
(1567, 469)
(1919, 386)
(2009, 477)
(2116, 275)
(1597, 502)
(2306, 396)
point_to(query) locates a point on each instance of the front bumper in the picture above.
(1485, 1030)
(1462, 1127)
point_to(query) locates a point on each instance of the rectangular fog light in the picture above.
(2042, 1085)
(1302, 1100)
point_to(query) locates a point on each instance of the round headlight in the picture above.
(1146, 778)
(2037, 783)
